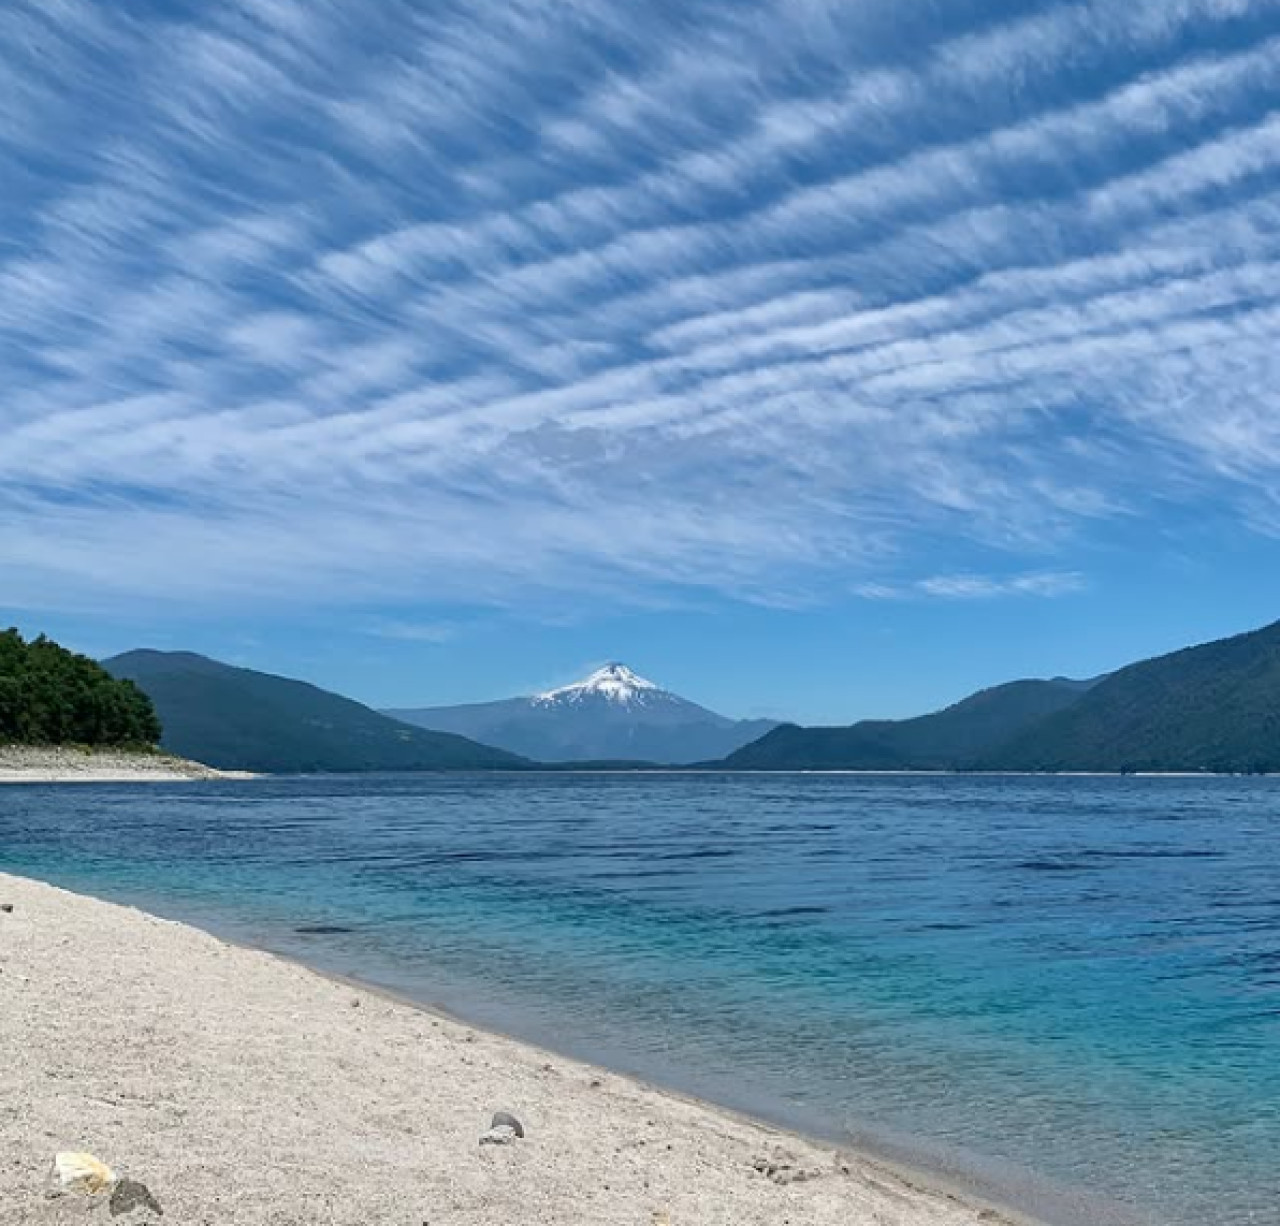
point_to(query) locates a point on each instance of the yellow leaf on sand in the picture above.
(83, 1172)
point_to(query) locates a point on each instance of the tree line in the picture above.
(52, 696)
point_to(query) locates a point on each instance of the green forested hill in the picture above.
(1210, 708)
(945, 740)
(1215, 707)
(51, 696)
(238, 719)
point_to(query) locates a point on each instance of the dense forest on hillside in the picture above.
(945, 740)
(52, 696)
(1215, 707)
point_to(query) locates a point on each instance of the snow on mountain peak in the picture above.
(614, 682)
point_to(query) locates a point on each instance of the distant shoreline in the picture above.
(958, 774)
(570, 769)
(21, 764)
(82, 764)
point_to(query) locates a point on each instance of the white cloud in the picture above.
(697, 323)
(434, 633)
(1046, 584)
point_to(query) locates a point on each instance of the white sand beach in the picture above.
(63, 764)
(242, 1088)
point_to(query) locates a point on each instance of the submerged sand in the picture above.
(245, 1089)
(65, 764)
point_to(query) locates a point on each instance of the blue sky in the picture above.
(818, 358)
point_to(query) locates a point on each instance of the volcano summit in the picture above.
(613, 714)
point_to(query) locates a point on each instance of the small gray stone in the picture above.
(504, 1119)
(131, 1194)
(502, 1134)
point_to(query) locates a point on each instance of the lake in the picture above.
(1065, 990)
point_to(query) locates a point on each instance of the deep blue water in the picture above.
(1070, 986)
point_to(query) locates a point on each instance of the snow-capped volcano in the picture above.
(614, 683)
(613, 714)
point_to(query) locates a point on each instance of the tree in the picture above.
(52, 696)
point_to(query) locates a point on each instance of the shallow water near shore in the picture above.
(1074, 981)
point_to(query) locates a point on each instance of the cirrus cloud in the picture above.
(300, 303)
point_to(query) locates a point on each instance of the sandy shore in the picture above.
(242, 1088)
(27, 764)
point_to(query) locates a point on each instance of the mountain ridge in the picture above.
(1212, 707)
(241, 719)
(940, 740)
(612, 714)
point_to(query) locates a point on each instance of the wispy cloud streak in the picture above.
(635, 302)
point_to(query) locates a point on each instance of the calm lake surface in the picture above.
(1067, 988)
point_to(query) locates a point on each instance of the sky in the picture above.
(818, 358)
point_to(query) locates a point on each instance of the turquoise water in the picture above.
(1066, 989)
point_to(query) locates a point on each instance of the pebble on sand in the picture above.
(132, 1194)
(503, 1129)
(498, 1136)
(504, 1119)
